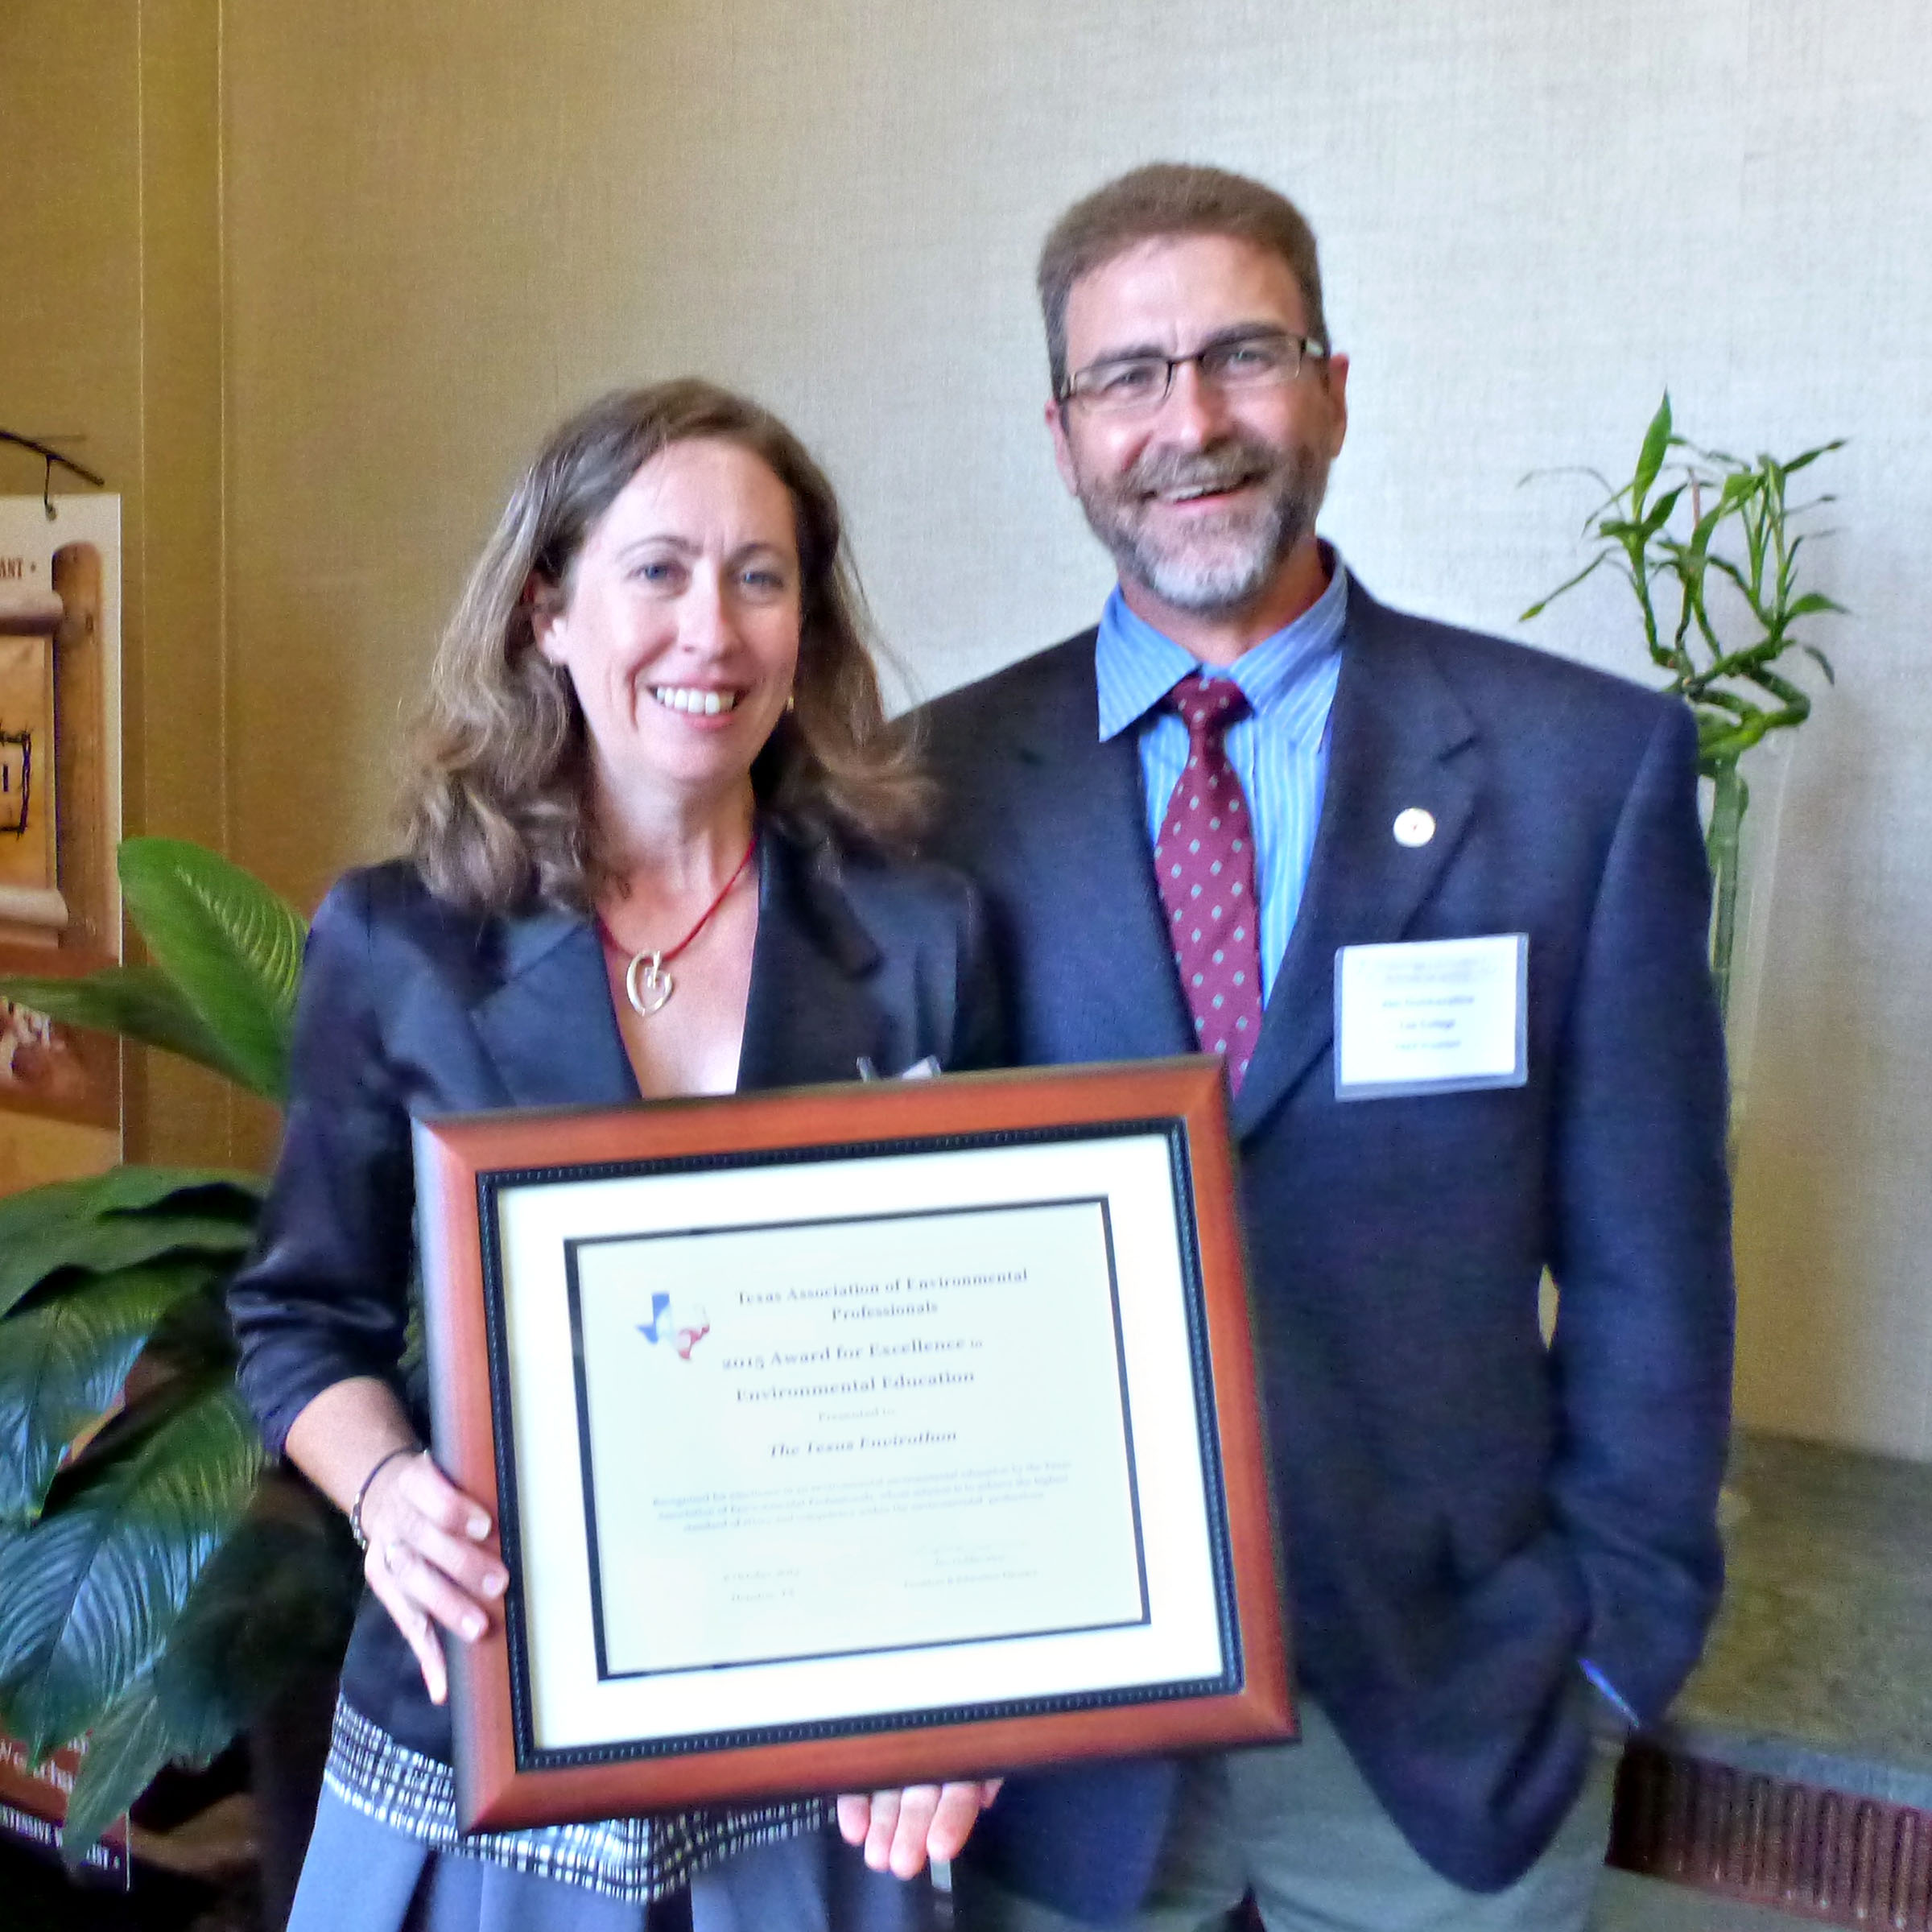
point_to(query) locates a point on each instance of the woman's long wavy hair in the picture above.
(497, 805)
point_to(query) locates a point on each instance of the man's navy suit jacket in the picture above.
(1467, 1514)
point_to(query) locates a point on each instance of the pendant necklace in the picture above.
(647, 985)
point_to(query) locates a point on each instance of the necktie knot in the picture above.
(1207, 706)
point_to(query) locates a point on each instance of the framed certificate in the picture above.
(851, 1437)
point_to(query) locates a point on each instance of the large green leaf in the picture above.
(64, 1360)
(114, 1242)
(119, 1219)
(279, 1595)
(138, 1003)
(138, 1735)
(119, 1191)
(124, 1751)
(231, 946)
(87, 1595)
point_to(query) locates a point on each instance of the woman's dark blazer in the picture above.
(411, 1008)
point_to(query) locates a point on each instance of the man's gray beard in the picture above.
(1229, 564)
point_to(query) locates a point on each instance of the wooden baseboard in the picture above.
(1840, 1859)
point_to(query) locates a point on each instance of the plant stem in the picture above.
(1721, 844)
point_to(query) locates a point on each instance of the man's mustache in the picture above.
(1227, 465)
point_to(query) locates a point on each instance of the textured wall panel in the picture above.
(448, 222)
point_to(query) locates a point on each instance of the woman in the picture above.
(654, 791)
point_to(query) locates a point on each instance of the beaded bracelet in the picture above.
(355, 1513)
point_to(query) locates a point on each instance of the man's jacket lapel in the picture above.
(1090, 890)
(1398, 737)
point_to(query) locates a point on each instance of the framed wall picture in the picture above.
(59, 823)
(851, 1437)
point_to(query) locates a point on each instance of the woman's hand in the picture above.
(429, 1560)
(900, 1829)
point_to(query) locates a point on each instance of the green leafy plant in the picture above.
(156, 1587)
(1718, 524)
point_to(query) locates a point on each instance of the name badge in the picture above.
(1437, 1016)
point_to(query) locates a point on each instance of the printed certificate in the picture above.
(851, 1436)
(933, 1402)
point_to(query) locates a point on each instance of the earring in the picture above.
(791, 702)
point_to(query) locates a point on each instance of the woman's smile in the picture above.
(698, 702)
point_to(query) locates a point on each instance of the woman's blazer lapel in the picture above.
(810, 1016)
(547, 1026)
(549, 1030)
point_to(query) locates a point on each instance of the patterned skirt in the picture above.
(387, 1855)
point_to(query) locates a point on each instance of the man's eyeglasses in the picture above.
(1138, 385)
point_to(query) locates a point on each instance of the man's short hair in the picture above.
(1170, 199)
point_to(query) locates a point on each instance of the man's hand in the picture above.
(900, 1829)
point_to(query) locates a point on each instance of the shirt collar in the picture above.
(1136, 666)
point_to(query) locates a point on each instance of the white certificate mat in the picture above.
(886, 1433)
(767, 1414)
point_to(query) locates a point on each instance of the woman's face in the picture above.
(681, 630)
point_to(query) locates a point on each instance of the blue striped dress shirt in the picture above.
(1279, 751)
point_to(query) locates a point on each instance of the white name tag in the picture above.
(1437, 1016)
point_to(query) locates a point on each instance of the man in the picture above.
(1493, 1547)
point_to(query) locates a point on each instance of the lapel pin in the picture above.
(1415, 827)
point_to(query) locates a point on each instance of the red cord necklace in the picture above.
(647, 985)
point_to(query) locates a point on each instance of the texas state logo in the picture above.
(679, 1323)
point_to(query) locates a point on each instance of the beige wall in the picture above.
(110, 341)
(442, 224)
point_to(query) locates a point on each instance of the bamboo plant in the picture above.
(156, 1588)
(1719, 522)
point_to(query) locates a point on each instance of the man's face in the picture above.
(1202, 500)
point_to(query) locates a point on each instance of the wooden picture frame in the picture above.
(59, 824)
(851, 1437)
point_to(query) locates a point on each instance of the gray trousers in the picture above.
(1299, 1828)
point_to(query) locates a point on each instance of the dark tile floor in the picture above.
(36, 1896)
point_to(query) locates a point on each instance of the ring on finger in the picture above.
(393, 1550)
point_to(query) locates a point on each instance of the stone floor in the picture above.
(1628, 1904)
(1820, 1667)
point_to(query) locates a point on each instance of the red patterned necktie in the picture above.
(1204, 861)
